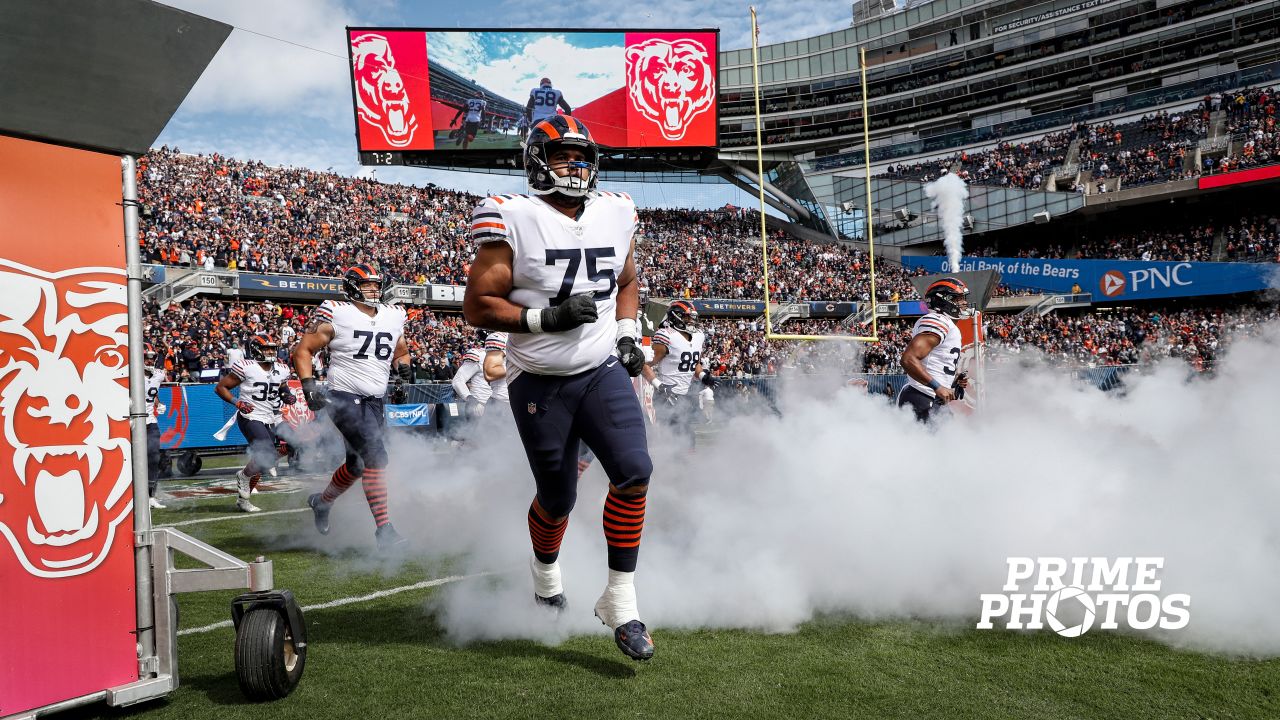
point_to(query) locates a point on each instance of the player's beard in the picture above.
(567, 202)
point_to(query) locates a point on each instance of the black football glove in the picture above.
(663, 394)
(630, 356)
(577, 310)
(398, 395)
(315, 397)
(405, 373)
(711, 381)
(287, 397)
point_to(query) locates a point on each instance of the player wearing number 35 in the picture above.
(555, 270)
(365, 338)
(261, 378)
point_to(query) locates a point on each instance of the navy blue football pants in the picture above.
(361, 420)
(598, 407)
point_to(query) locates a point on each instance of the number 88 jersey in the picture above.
(261, 388)
(683, 355)
(361, 351)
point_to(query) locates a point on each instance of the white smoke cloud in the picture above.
(845, 504)
(948, 194)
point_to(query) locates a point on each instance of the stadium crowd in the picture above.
(213, 211)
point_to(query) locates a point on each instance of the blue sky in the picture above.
(279, 89)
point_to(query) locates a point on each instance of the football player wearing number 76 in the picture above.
(365, 337)
(555, 270)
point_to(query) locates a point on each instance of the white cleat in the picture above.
(616, 608)
(548, 590)
(155, 504)
(243, 505)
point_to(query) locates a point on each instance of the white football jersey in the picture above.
(556, 256)
(362, 347)
(471, 373)
(497, 341)
(545, 101)
(683, 355)
(154, 379)
(475, 109)
(261, 388)
(941, 361)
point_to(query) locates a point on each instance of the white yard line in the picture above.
(240, 516)
(351, 600)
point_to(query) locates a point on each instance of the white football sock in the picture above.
(546, 578)
(242, 484)
(617, 606)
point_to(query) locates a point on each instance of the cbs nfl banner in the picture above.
(460, 90)
(1116, 280)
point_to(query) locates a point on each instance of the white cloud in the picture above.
(582, 74)
(256, 73)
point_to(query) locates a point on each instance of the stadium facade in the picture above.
(952, 75)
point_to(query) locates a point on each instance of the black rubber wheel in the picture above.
(268, 665)
(189, 463)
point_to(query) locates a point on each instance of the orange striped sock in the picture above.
(253, 482)
(623, 523)
(342, 479)
(375, 491)
(545, 533)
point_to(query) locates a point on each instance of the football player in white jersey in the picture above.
(474, 112)
(677, 363)
(469, 383)
(261, 378)
(931, 356)
(543, 101)
(155, 377)
(366, 343)
(556, 271)
(495, 367)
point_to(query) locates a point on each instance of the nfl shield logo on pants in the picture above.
(532, 408)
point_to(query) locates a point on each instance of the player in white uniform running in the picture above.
(366, 343)
(495, 368)
(547, 267)
(474, 112)
(543, 101)
(469, 383)
(155, 377)
(931, 356)
(261, 378)
(676, 365)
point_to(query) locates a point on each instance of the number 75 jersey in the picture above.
(362, 347)
(554, 257)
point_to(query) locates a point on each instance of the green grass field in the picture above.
(388, 658)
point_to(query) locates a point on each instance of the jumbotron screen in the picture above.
(457, 91)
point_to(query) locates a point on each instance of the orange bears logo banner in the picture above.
(66, 497)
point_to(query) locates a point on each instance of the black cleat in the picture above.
(388, 538)
(556, 602)
(321, 510)
(634, 641)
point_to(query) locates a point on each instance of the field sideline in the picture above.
(386, 656)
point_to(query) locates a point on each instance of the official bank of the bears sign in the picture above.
(1115, 280)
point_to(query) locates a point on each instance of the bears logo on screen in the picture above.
(670, 82)
(64, 404)
(381, 97)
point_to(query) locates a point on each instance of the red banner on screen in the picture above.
(392, 89)
(66, 499)
(671, 89)
(1240, 176)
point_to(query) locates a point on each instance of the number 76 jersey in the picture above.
(362, 347)
(554, 257)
